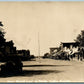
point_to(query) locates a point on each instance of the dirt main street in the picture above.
(49, 70)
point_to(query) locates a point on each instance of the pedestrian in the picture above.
(78, 56)
(71, 54)
(78, 53)
(81, 54)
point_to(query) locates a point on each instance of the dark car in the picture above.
(13, 64)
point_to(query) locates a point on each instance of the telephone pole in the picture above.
(38, 46)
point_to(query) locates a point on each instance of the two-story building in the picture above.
(69, 46)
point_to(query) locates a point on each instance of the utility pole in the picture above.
(38, 46)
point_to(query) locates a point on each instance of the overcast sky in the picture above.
(55, 21)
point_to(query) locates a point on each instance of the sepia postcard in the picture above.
(41, 41)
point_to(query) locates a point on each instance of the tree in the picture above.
(2, 33)
(80, 38)
(1, 24)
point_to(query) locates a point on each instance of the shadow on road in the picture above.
(44, 65)
(29, 73)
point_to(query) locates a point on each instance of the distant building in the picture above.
(24, 54)
(69, 46)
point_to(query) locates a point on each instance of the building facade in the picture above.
(69, 46)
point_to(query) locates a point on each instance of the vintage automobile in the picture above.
(12, 64)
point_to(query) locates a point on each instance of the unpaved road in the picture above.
(49, 70)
